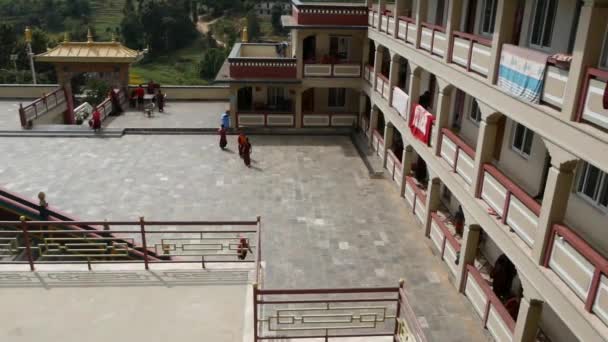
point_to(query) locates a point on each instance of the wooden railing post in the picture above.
(143, 241)
(398, 313)
(26, 238)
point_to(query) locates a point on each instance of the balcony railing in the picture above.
(378, 143)
(368, 73)
(579, 266)
(261, 60)
(459, 155)
(407, 30)
(329, 120)
(315, 14)
(332, 70)
(44, 105)
(385, 22)
(446, 243)
(554, 84)
(472, 52)
(260, 118)
(494, 315)
(372, 18)
(394, 167)
(416, 198)
(511, 203)
(401, 102)
(591, 109)
(382, 85)
(433, 39)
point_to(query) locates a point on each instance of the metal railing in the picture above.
(177, 242)
(281, 314)
(41, 106)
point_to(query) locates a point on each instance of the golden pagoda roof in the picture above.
(87, 52)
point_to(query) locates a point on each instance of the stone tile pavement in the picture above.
(181, 114)
(325, 222)
(9, 114)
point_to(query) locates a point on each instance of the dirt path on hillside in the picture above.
(205, 26)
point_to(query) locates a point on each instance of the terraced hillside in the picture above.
(106, 14)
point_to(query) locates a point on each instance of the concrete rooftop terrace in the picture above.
(325, 222)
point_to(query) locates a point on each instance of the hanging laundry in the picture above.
(522, 72)
(421, 122)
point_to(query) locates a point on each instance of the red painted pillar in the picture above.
(64, 79)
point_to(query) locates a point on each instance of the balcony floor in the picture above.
(325, 222)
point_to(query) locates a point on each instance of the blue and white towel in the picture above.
(522, 72)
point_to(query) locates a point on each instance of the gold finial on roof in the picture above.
(66, 37)
(245, 35)
(89, 36)
(28, 34)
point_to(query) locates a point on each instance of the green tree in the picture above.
(212, 62)
(275, 19)
(253, 26)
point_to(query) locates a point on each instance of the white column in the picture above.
(381, 7)
(377, 64)
(233, 106)
(414, 85)
(389, 132)
(587, 50)
(393, 77)
(555, 199)
(468, 252)
(433, 200)
(528, 320)
(442, 113)
(406, 163)
(486, 141)
(453, 24)
(362, 101)
(373, 122)
(420, 16)
(503, 33)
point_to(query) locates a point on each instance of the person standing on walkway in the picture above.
(160, 100)
(243, 248)
(241, 140)
(223, 140)
(43, 207)
(96, 120)
(226, 119)
(247, 153)
(140, 92)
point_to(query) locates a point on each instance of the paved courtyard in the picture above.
(325, 222)
(179, 114)
(9, 114)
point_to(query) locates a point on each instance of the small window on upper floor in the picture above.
(593, 186)
(543, 19)
(336, 97)
(488, 17)
(522, 140)
(475, 113)
(604, 55)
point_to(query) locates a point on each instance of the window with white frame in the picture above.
(543, 20)
(275, 96)
(339, 47)
(593, 185)
(488, 17)
(336, 97)
(475, 113)
(522, 139)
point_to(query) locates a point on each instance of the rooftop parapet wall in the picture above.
(329, 13)
(25, 91)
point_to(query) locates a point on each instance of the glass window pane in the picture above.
(537, 23)
(593, 178)
(550, 18)
(603, 194)
(583, 177)
(518, 139)
(528, 141)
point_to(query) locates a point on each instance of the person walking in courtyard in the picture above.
(160, 101)
(96, 120)
(247, 152)
(226, 119)
(241, 140)
(223, 140)
(140, 92)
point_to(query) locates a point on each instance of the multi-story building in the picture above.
(518, 95)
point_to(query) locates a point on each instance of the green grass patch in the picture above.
(178, 68)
